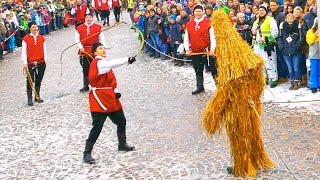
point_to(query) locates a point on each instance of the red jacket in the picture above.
(93, 35)
(106, 96)
(199, 37)
(35, 52)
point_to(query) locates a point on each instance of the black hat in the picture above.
(198, 6)
(31, 24)
(95, 46)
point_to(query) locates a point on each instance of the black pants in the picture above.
(116, 11)
(98, 120)
(105, 15)
(198, 63)
(97, 13)
(85, 63)
(36, 73)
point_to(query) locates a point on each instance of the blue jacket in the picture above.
(175, 33)
(308, 20)
(291, 38)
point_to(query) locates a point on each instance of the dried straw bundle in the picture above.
(240, 76)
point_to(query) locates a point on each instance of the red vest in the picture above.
(104, 6)
(115, 3)
(81, 13)
(106, 96)
(87, 43)
(96, 4)
(35, 52)
(200, 38)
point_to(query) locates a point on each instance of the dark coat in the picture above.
(296, 35)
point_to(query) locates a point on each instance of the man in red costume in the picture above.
(116, 5)
(80, 11)
(34, 55)
(199, 38)
(105, 11)
(86, 36)
(104, 100)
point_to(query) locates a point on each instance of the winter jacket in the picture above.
(175, 33)
(279, 16)
(313, 40)
(153, 25)
(291, 38)
(3, 29)
(309, 20)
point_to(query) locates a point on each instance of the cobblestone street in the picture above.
(46, 141)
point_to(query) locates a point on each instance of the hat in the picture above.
(20, 14)
(143, 9)
(263, 7)
(174, 17)
(199, 6)
(95, 46)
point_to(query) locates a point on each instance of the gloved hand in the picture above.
(131, 60)
(118, 95)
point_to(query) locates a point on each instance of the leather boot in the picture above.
(304, 81)
(296, 85)
(87, 153)
(200, 88)
(29, 94)
(123, 146)
(85, 87)
(39, 100)
(291, 84)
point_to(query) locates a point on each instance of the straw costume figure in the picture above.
(236, 104)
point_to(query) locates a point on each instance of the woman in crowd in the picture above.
(290, 43)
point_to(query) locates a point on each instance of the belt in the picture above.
(93, 89)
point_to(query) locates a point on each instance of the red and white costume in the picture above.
(103, 85)
(199, 36)
(80, 12)
(33, 49)
(88, 30)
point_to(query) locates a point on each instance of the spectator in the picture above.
(314, 56)
(290, 42)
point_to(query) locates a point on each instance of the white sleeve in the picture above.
(110, 3)
(186, 42)
(93, 5)
(73, 11)
(102, 39)
(274, 28)
(104, 66)
(24, 52)
(45, 51)
(77, 40)
(213, 42)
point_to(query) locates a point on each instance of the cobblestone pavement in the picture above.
(46, 141)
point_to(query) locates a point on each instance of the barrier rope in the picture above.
(251, 103)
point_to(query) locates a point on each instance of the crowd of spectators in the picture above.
(163, 24)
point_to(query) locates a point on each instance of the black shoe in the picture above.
(104, 23)
(30, 103)
(84, 89)
(88, 158)
(230, 170)
(197, 91)
(87, 153)
(314, 90)
(125, 147)
(273, 85)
